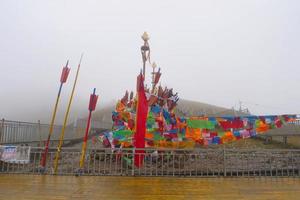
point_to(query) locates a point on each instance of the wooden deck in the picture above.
(92, 187)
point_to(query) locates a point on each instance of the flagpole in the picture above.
(141, 118)
(63, 79)
(145, 50)
(153, 77)
(65, 120)
(92, 106)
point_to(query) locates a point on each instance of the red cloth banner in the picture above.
(141, 118)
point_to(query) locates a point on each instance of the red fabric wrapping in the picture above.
(64, 74)
(93, 102)
(141, 118)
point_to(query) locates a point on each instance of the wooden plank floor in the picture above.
(70, 187)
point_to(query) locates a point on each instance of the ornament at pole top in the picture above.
(145, 47)
(154, 65)
(145, 50)
(145, 36)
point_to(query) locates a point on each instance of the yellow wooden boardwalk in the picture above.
(162, 188)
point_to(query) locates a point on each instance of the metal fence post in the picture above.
(224, 161)
(132, 170)
(18, 133)
(2, 131)
(293, 168)
(39, 131)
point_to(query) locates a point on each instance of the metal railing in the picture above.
(167, 162)
(13, 132)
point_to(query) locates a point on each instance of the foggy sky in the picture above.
(217, 52)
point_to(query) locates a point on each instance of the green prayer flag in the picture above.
(221, 133)
(257, 123)
(272, 126)
(200, 124)
(122, 133)
(158, 137)
(150, 119)
(151, 130)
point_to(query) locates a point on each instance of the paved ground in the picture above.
(70, 187)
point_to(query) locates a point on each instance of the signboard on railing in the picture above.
(15, 154)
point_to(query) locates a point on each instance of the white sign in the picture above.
(15, 154)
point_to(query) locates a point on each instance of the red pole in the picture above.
(87, 127)
(141, 118)
(92, 107)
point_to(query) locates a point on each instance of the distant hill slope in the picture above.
(194, 108)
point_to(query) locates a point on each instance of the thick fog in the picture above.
(216, 52)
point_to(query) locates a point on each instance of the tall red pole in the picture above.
(141, 119)
(63, 79)
(92, 107)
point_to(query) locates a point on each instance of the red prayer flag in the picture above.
(141, 117)
(225, 125)
(278, 123)
(236, 124)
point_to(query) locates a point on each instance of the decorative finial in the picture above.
(154, 65)
(145, 50)
(145, 36)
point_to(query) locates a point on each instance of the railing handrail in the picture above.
(29, 123)
(44, 124)
(169, 149)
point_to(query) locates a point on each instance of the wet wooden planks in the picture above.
(92, 187)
